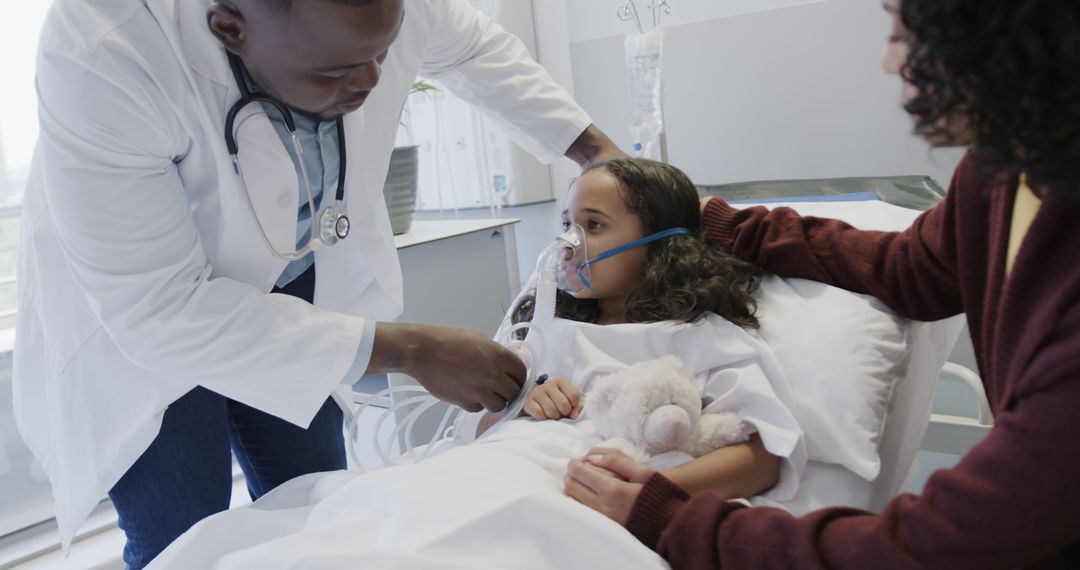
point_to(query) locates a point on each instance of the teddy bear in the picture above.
(654, 407)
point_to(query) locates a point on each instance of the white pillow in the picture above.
(843, 353)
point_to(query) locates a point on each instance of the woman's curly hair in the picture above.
(1009, 73)
(685, 276)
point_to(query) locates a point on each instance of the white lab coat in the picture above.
(142, 274)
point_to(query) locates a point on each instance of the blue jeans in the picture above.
(186, 473)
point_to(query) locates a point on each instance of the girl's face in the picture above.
(596, 204)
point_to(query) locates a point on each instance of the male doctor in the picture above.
(174, 303)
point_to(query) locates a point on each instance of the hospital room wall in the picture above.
(794, 90)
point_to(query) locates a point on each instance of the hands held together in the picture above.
(607, 481)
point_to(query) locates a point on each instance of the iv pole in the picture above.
(628, 12)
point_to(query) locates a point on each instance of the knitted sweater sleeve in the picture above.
(914, 272)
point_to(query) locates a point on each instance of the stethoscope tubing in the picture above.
(339, 226)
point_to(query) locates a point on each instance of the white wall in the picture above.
(594, 19)
(791, 92)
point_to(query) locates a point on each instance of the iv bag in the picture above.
(643, 64)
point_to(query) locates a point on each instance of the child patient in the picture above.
(673, 295)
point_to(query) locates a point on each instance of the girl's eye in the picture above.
(565, 225)
(594, 225)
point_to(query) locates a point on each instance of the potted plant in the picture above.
(399, 190)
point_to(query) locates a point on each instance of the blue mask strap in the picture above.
(630, 245)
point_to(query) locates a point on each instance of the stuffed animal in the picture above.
(654, 407)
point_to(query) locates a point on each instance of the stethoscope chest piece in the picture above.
(333, 225)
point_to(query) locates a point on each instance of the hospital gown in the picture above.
(736, 372)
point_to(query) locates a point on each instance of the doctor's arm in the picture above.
(592, 146)
(487, 66)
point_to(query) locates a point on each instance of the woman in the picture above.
(1001, 78)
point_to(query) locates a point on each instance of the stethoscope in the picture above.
(333, 224)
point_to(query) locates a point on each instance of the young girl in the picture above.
(675, 295)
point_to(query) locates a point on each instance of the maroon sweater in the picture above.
(1014, 499)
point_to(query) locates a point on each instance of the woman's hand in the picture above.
(554, 400)
(607, 481)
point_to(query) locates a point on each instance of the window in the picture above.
(24, 491)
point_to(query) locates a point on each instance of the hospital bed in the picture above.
(864, 387)
(888, 203)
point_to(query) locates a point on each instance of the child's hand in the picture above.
(554, 400)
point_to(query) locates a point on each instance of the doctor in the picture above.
(206, 254)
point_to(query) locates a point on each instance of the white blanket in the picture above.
(497, 503)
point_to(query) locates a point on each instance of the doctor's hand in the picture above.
(459, 366)
(607, 481)
(593, 146)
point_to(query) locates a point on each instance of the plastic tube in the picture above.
(544, 285)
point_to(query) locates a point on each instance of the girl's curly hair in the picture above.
(685, 276)
(1009, 72)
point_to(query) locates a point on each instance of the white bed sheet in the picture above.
(824, 485)
(426, 515)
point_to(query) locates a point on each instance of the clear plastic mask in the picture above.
(573, 255)
(559, 262)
